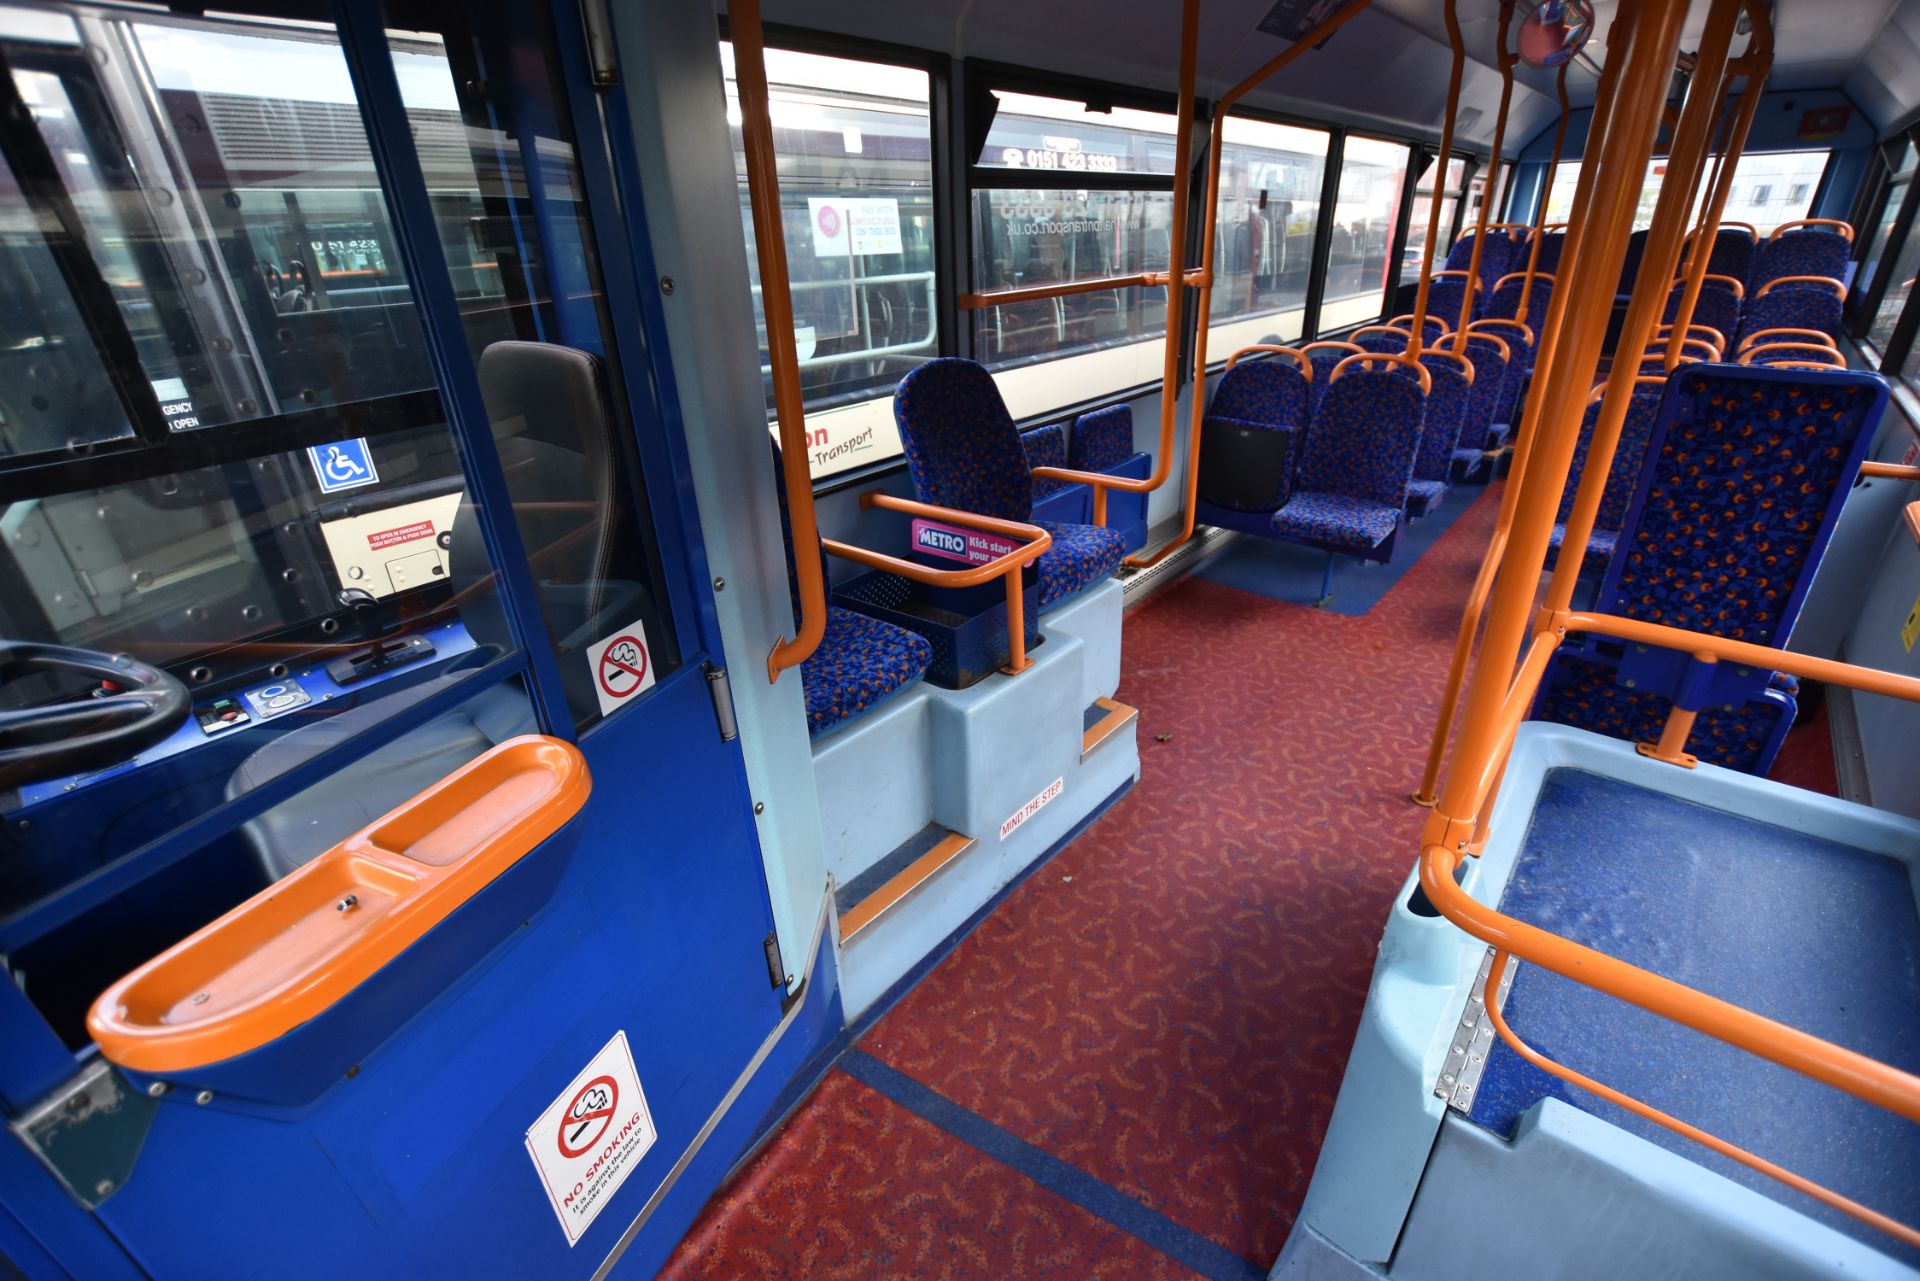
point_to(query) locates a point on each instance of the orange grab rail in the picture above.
(1366, 358)
(1810, 354)
(1731, 1151)
(292, 951)
(1891, 471)
(1828, 282)
(1274, 349)
(776, 298)
(1036, 541)
(1818, 337)
(1840, 225)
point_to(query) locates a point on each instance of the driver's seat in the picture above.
(550, 416)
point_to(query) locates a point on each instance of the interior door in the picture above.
(425, 929)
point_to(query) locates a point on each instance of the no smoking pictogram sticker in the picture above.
(621, 665)
(588, 1116)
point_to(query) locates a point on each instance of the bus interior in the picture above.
(1210, 639)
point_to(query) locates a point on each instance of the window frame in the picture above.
(1875, 291)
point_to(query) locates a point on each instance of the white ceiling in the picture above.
(1387, 68)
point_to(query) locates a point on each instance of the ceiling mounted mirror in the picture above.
(1554, 31)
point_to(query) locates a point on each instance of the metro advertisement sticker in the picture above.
(955, 543)
(591, 1137)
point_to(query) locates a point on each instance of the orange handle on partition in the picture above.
(295, 949)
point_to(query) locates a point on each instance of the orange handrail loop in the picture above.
(1404, 358)
(1840, 225)
(1274, 349)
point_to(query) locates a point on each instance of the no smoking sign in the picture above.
(592, 1137)
(622, 667)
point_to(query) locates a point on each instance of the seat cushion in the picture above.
(1081, 556)
(1351, 524)
(1600, 545)
(860, 662)
(1424, 495)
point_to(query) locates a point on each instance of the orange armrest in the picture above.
(987, 524)
(972, 576)
(1891, 471)
(292, 951)
(1098, 479)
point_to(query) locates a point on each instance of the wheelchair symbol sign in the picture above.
(345, 464)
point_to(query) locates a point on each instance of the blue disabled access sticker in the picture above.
(345, 464)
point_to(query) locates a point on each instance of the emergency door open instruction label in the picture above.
(590, 1138)
(622, 667)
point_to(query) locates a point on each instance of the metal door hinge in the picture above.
(597, 21)
(89, 1131)
(722, 694)
(776, 972)
(1472, 1039)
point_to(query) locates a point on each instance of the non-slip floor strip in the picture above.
(1085, 1191)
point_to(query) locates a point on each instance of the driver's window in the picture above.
(226, 465)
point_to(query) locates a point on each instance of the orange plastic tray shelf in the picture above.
(291, 951)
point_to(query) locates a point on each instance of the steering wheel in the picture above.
(47, 741)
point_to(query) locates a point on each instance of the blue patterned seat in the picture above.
(1629, 456)
(1270, 391)
(1792, 306)
(1745, 474)
(1358, 460)
(1732, 253)
(1504, 253)
(1045, 447)
(1504, 302)
(1481, 427)
(1324, 357)
(1103, 439)
(1444, 296)
(1505, 371)
(860, 661)
(1805, 251)
(1717, 307)
(963, 451)
(1446, 412)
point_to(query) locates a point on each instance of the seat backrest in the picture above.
(1732, 253)
(1551, 243)
(1384, 343)
(1629, 455)
(1496, 260)
(1496, 386)
(1630, 267)
(1324, 359)
(1364, 439)
(1792, 306)
(963, 450)
(1045, 447)
(1717, 306)
(1808, 251)
(1504, 302)
(1446, 411)
(1444, 296)
(1103, 439)
(1748, 470)
(1265, 390)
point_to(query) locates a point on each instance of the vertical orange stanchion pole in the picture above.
(1671, 214)
(1643, 40)
(1418, 338)
(770, 246)
(1492, 189)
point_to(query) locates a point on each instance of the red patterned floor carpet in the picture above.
(1167, 1006)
